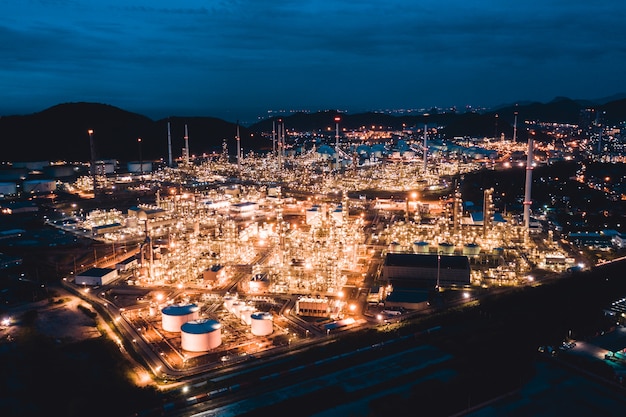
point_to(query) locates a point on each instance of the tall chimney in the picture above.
(529, 180)
(186, 145)
(169, 145)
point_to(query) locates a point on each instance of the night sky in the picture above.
(237, 59)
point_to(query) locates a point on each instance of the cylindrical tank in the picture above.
(139, 166)
(246, 314)
(236, 308)
(8, 188)
(59, 171)
(337, 216)
(261, 323)
(395, 247)
(259, 283)
(228, 302)
(175, 315)
(498, 251)
(39, 186)
(446, 248)
(201, 335)
(421, 247)
(471, 249)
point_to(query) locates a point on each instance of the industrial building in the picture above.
(412, 270)
(96, 276)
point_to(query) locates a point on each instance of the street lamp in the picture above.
(140, 159)
(438, 269)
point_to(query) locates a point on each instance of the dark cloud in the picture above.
(168, 57)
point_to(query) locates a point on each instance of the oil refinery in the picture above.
(245, 256)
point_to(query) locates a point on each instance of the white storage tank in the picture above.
(262, 323)
(337, 215)
(421, 247)
(236, 308)
(313, 215)
(246, 314)
(395, 247)
(139, 166)
(471, 249)
(201, 335)
(446, 248)
(39, 186)
(175, 315)
(228, 302)
(498, 251)
(259, 283)
(8, 188)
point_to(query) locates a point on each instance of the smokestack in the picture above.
(281, 127)
(273, 137)
(169, 145)
(488, 212)
(515, 126)
(238, 147)
(425, 144)
(186, 145)
(337, 120)
(529, 180)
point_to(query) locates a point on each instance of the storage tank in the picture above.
(313, 215)
(8, 188)
(228, 302)
(471, 249)
(337, 215)
(446, 248)
(259, 283)
(201, 335)
(261, 323)
(236, 308)
(246, 314)
(60, 171)
(421, 247)
(39, 186)
(395, 247)
(139, 167)
(175, 315)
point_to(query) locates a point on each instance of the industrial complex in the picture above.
(225, 258)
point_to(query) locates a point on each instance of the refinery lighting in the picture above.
(255, 240)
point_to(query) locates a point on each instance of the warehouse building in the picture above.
(96, 276)
(412, 270)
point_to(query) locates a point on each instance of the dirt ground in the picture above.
(60, 319)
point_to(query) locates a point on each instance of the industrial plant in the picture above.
(242, 256)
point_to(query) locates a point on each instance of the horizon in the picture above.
(237, 60)
(254, 116)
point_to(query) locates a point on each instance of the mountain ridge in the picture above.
(60, 132)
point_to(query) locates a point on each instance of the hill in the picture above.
(60, 132)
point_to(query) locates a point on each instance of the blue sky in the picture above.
(237, 59)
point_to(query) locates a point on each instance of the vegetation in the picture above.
(89, 378)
